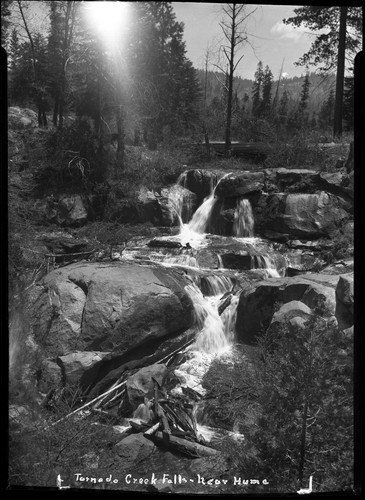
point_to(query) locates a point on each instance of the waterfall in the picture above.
(211, 338)
(267, 263)
(201, 217)
(215, 285)
(229, 316)
(182, 259)
(243, 225)
(196, 228)
(215, 335)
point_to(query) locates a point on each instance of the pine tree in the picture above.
(267, 80)
(303, 103)
(20, 85)
(257, 90)
(14, 50)
(245, 100)
(5, 21)
(340, 38)
(60, 41)
(55, 55)
(283, 107)
(167, 88)
(306, 406)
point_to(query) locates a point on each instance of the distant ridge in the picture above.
(319, 89)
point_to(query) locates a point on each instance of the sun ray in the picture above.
(110, 18)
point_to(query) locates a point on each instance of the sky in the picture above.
(271, 39)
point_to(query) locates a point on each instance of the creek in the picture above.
(212, 289)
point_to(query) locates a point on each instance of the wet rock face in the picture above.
(200, 182)
(240, 184)
(111, 307)
(306, 216)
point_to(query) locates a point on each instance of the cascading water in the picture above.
(214, 337)
(194, 231)
(243, 224)
(267, 263)
(211, 338)
(215, 285)
(229, 316)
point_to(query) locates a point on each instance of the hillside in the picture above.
(319, 87)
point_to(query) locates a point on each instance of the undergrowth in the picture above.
(44, 449)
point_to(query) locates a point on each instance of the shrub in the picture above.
(341, 249)
(71, 160)
(300, 151)
(41, 451)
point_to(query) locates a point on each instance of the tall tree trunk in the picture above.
(69, 24)
(120, 139)
(207, 142)
(37, 96)
(205, 132)
(230, 85)
(55, 110)
(337, 121)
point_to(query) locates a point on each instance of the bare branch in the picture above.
(237, 63)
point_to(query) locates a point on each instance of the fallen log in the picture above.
(158, 409)
(180, 419)
(86, 405)
(151, 430)
(183, 446)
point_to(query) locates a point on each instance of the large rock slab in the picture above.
(133, 449)
(75, 364)
(291, 315)
(109, 307)
(307, 216)
(240, 184)
(257, 303)
(309, 181)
